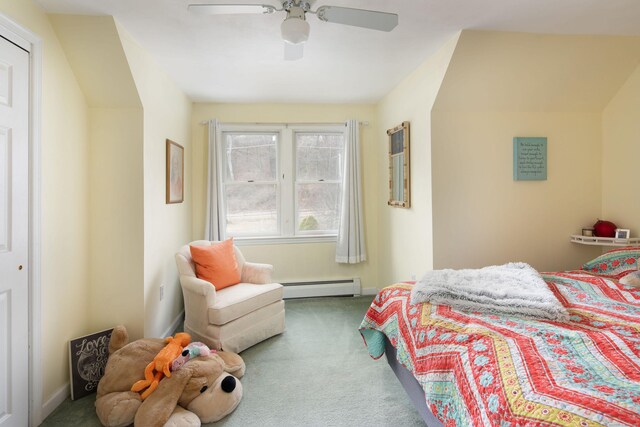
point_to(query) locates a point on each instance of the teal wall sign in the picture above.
(529, 159)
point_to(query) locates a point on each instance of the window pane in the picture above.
(318, 207)
(251, 209)
(250, 156)
(319, 156)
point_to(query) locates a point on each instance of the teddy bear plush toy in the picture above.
(205, 389)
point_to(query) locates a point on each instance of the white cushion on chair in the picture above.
(238, 300)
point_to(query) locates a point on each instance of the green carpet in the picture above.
(318, 373)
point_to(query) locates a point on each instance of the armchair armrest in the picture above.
(199, 295)
(257, 273)
(199, 287)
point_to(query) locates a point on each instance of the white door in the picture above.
(14, 216)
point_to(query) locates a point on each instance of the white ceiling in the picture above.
(238, 58)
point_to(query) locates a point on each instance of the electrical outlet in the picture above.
(161, 292)
(413, 276)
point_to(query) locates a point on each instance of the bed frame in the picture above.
(411, 386)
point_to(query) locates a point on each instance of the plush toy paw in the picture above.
(118, 409)
(182, 418)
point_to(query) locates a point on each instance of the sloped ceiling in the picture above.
(495, 71)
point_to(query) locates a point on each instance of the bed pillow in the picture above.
(216, 264)
(616, 263)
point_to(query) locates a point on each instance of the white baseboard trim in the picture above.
(172, 327)
(322, 288)
(370, 291)
(55, 400)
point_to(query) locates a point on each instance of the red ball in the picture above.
(604, 229)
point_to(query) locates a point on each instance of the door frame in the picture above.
(29, 41)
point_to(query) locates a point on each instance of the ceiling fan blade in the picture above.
(371, 19)
(230, 9)
(293, 52)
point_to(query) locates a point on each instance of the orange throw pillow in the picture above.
(216, 264)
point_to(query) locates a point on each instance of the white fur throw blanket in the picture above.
(515, 288)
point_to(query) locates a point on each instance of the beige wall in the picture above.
(65, 200)
(98, 60)
(298, 262)
(502, 85)
(483, 217)
(407, 233)
(116, 219)
(167, 114)
(135, 108)
(94, 50)
(620, 156)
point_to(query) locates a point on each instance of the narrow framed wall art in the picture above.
(175, 172)
(399, 169)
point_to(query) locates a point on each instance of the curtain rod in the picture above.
(206, 122)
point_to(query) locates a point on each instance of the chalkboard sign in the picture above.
(87, 360)
(529, 159)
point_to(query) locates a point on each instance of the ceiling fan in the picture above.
(295, 28)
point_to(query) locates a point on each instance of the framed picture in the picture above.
(87, 360)
(622, 233)
(399, 172)
(529, 159)
(175, 172)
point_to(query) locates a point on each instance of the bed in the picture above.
(480, 369)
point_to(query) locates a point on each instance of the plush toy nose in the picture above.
(228, 384)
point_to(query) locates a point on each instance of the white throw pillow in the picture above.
(631, 279)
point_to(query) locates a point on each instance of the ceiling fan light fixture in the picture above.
(295, 30)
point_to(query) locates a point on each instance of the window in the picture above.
(251, 184)
(281, 181)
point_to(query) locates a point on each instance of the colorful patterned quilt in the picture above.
(479, 369)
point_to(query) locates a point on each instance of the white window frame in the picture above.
(286, 189)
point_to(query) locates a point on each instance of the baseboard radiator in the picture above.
(322, 288)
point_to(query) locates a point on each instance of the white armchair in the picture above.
(236, 317)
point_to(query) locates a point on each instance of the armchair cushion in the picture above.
(216, 264)
(241, 299)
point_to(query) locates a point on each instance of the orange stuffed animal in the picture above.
(161, 364)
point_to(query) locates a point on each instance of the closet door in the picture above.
(14, 217)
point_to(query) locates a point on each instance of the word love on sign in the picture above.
(529, 159)
(87, 360)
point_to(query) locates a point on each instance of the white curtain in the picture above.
(212, 223)
(350, 247)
